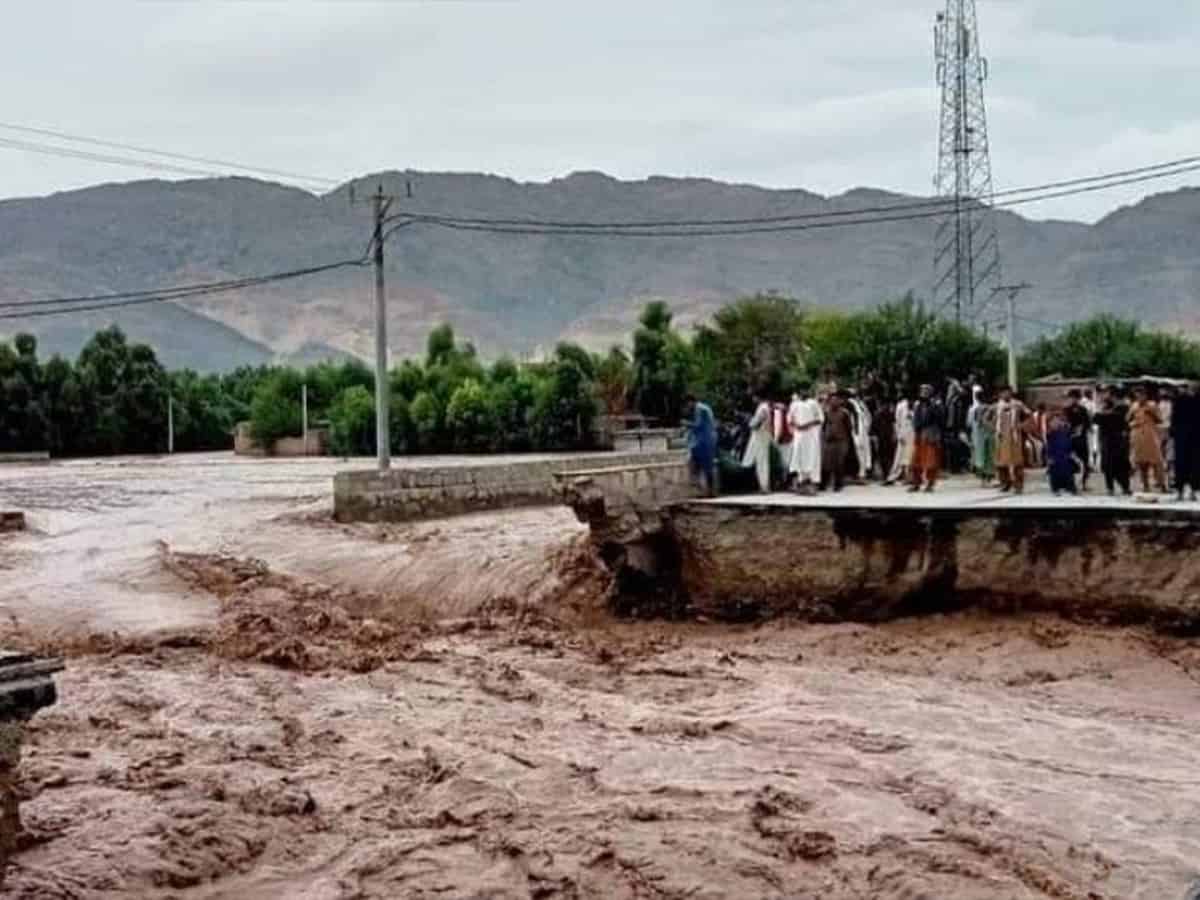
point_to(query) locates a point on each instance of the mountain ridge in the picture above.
(515, 293)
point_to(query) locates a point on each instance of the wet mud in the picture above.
(317, 737)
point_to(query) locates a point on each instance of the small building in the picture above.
(317, 444)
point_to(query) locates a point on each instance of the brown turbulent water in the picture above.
(260, 703)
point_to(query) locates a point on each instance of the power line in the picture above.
(183, 289)
(70, 153)
(150, 165)
(83, 139)
(760, 226)
(165, 295)
(1181, 165)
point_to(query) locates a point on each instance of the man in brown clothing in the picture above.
(837, 436)
(1010, 441)
(1144, 422)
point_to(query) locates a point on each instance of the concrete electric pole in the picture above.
(170, 424)
(1010, 338)
(304, 416)
(382, 386)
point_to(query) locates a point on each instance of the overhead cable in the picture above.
(66, 305)
(759, 226)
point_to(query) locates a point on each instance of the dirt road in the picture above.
(443, 710)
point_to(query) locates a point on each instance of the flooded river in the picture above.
(262, 703)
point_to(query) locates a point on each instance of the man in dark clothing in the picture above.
(1185, 432)
(883, 429)
(1112, 425)
(929, 421)
(1079, 421)
(852, 467)
(837, 441)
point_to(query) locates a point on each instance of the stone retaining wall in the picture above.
(418, 492)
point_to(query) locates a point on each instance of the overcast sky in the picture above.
(820, 94)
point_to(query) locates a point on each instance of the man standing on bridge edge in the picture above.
(1079, 421)
(837, 438)
(929, 420)
(1112, 428)
(1144, 420)
(702, 444)
(1185, 433)
(1010, 441)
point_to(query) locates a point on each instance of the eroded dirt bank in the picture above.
(300, 739)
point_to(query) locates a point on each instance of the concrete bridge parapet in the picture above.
(435, 489)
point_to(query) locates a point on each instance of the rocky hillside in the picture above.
(515, 292)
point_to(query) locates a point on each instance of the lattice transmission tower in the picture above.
(966, 253)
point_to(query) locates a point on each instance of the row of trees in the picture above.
(1112, 347)
(113, 398)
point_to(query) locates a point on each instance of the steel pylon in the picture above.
(966, 250)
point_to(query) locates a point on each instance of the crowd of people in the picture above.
(828, 436)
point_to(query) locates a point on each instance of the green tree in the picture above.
(513, 401)
(66, 410)
(564, 408)
(470, 418)
(898, 344)
(408, 380)
(238, 388)
(204, 415)
(754, 344)
(427, 419)
(1108, 346)
(503, 369)
(614, 380)
(125, 390)
(662, 363)
(440, 347)
(402, 434)
(572, 352)
(23, 416)
(275, 411)
(352, 422)
(328, 380)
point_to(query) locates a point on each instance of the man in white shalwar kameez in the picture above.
(862, 436)
(806, 418)
(1093, 434)
(904, 442)
(758, 450)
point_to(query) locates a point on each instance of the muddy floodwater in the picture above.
(260, 703)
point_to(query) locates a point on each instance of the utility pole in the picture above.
(383, 448)
(170, 424)
(1012, 290)
(304, 415)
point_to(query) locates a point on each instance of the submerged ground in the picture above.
(260, 703)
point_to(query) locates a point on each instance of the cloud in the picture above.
(824, 95)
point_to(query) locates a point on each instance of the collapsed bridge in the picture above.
(874, 553)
